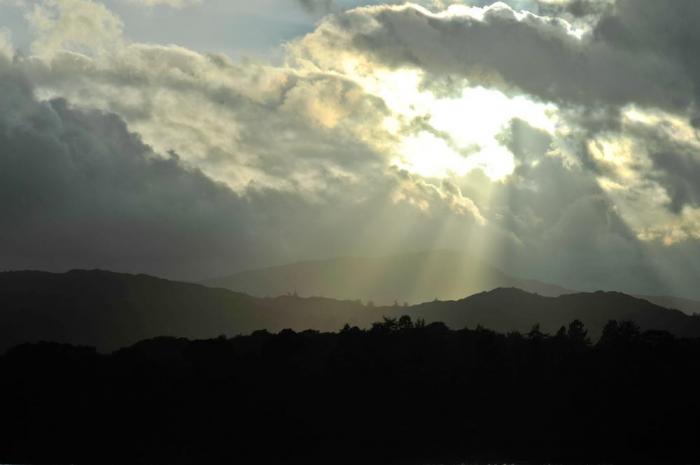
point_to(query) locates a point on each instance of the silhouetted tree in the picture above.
(405, 323)
(578, 335)
(535, 333)
(615, 333)
(399, 393)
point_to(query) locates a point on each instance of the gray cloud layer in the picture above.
(317, 6)
(628, 56)
(159, 159)
(80, 190)
(537, 55)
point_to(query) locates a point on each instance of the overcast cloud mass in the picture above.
(558, 139)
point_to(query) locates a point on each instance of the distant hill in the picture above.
(110, 310)
(685, 305)
(413, 278)
(516, 310)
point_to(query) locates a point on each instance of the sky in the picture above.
(556, 139)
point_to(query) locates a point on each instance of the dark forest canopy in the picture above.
(111, 310)
(400, 392)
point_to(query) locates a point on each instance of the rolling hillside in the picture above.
(110, 310)
(413, 278)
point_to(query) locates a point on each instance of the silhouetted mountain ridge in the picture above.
(110, 310)
(689, 306)
(412, 277)
(512, 309)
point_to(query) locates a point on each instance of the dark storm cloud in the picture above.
(568, 229)
(578, 9)
(533, 54)
(526, 142)
(582, 8)
(660, 29)
(317, 6)
(676, 167)
(679, 173)
(79, 190)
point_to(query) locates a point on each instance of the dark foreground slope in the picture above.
(112, 310)
(394, 394)
(413, 278)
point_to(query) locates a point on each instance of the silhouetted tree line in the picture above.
(399, 392)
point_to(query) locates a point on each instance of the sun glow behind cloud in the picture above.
(447, 136)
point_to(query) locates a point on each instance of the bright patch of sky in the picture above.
(236, 28)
